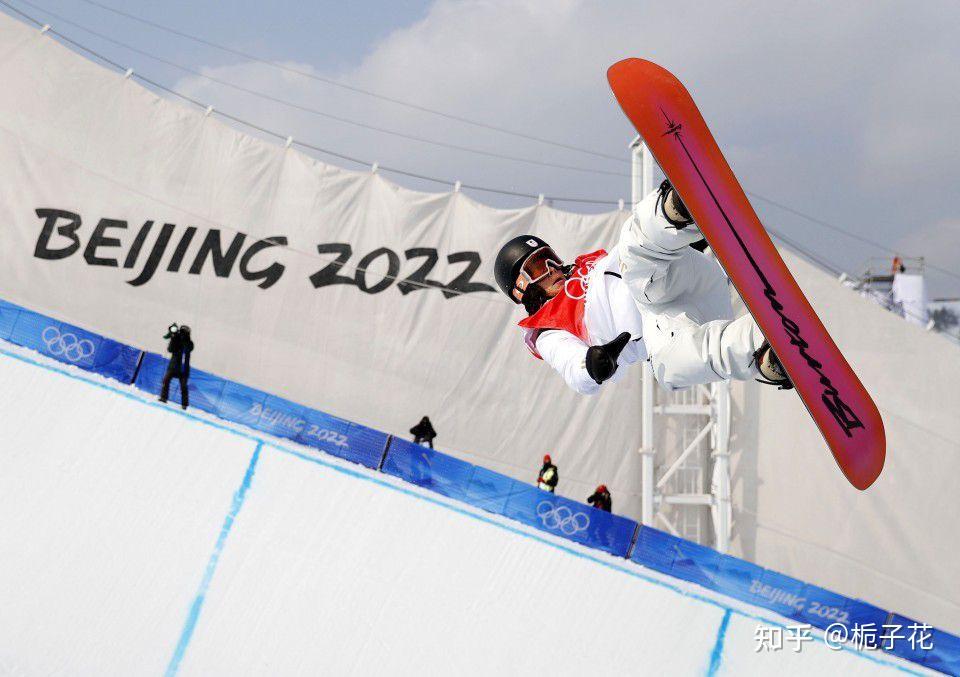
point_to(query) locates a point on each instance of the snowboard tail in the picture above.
(669, 122)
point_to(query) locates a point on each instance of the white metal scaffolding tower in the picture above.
(679, 496)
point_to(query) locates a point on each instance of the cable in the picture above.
(884, 300)
(314, 111)
(809, 255)
(843, 231)
(358, 90)
(793, 244)
(236, 52)
(281, 137)
(342, 265)
(204, 41)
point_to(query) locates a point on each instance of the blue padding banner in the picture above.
(750, 583)
(944, 656)
(569, 519)
(67, 343)
(428, 468)
(505, 496)
(489, 490)
(260, 411)
(337, 437)
(267, 413)
(8, 318)
(921, 643)
(205, 389)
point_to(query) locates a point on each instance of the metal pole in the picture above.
(665, 477)
(642, 184)
(721, 467)
(647, 185)
(646, 450)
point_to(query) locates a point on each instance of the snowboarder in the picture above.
(180, 346)
(654, 297)
(601, 499)
(548, 477)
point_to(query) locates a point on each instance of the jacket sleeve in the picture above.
(567, 355)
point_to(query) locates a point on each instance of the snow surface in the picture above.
(138, 539)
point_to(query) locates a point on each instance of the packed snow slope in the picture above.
(139, 540)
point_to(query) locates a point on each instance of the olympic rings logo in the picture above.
(67, 345)
(576, 285)
(562, 518)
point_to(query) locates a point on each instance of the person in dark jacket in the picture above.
(423, 432)
(600, 499)
(548, 477)
(180, 346)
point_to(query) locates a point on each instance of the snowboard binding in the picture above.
(771, 369)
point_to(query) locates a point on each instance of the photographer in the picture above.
(180, 346)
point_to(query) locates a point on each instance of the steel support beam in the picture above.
(711, 401)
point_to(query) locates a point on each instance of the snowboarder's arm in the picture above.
(567, 355)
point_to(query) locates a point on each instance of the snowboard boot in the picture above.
(672, 207)
(771, 369)
(659, 223)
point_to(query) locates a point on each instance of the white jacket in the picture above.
(609, 310)
(673, 300)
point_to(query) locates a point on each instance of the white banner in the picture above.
(123, 212)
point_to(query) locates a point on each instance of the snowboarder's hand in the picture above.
(602, 360)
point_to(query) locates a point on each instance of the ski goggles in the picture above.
(539, 264)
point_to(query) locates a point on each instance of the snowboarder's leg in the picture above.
(685, 353)
(684, 297)
(651, 242)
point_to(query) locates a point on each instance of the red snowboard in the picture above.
(668, 120)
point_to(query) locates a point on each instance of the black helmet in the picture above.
(511, 258)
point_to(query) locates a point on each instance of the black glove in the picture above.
(602, 360)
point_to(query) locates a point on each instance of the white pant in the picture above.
(684, 299)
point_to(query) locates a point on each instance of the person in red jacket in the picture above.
(548, 477)
(600, 499)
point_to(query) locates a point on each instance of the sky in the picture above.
(843, 111)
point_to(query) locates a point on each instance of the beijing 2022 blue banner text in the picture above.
(268, 413)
